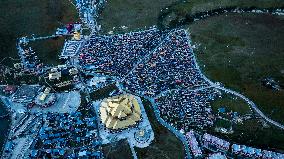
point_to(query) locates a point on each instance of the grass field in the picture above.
(231, 103)
(240, 50)
(252, 133)
(237, 50)
(222, 123)
(25, 17)
(4, 125)
(48, 50)
(118, 150)
(179, 11)
(195, 6)
(135, 14)
(165, 144)
(103, 92)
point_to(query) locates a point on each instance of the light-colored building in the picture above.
(193, 144)
(210, 141)
(54, 75)
(120, 112)
(71, 47)
(17, 65)
(77, 36)
(63, 84)
(216, 156)
(44, 94)
(73, 71)
(45, 98)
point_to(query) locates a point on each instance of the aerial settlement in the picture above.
(59, 117)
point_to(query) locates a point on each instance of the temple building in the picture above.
(120, 112)
(54, 74)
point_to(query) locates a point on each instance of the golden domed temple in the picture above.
(120, 112)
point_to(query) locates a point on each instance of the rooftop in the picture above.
(120, 112)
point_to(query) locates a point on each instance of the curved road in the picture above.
(170, 128)
(251, 103)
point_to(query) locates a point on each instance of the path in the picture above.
(170, 128)
(211, 85)
(251, 103)
(147, 56)
(133, 151)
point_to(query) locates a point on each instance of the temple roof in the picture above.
(120, 112)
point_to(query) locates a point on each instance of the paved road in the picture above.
(211, 85)
(251, 103)
(191, 90)
(132, 150)
(146, 58)
(170, 128)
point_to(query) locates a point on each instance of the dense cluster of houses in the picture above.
(25, 93)
(67, 135)
(151, 63)
(63, 76)
(9, 89)
(88, 11)
(270, 154)
(213, 142)
(203, 143)
(170, 66)
(9, 146)
(118, 54)
(29, 58)
(250, 152)
(246, 151)
(186, 109)
(193, 144)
